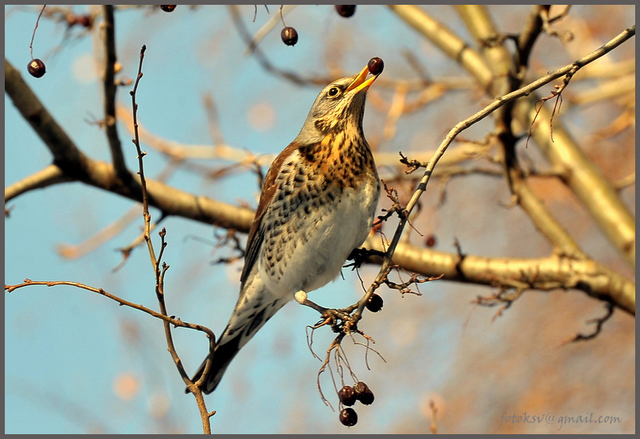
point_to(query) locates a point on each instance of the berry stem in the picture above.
(34, 30)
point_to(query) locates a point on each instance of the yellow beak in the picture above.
(359, 83)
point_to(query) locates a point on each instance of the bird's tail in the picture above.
(255, 306)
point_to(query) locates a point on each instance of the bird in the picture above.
(316, 206)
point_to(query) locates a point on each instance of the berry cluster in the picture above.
(348, 396)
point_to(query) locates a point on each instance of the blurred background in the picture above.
(76, 362)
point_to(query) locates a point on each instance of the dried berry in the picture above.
(347, 395)
(36, 68)
(167, 8)
(289, 36)
(84, 20)
(349, 417)
(430, 241)
(376, 65)
(363, 393)
(346, 10)
(375, 303)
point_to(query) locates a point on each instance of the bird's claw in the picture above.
(340, 320)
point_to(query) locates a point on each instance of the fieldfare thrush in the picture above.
(316, 206)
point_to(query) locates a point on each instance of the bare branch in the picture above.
(65, 154)
(544, 274)
(176, 322)
(599, 323)
(563, 153)
(46, 177)
(160, 273)
(110, 95)
(529, 35)
(446, 40)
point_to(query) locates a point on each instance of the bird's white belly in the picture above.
(313, 262)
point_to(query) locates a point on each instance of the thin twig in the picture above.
(33, 35)
(170, 320)
(160, 273)
(599, 323)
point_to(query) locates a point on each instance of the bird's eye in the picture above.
(333, 91)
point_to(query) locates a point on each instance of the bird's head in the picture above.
(339, 106)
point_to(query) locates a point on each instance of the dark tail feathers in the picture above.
(222, 356)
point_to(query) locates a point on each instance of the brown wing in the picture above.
(254, 242)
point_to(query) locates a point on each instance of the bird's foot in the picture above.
(301, 298)
(339, 319)
(360, 255)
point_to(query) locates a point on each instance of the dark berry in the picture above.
(349, 417)
(431, 240)
(84, 20)
(36, 68)
(289, 36)
(167, 8)
(363, 393)
(346, 10)
(376, 65)
(347, 395)
(375, 303)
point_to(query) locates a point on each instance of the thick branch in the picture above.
(446, 40)
(585, 180)
(65, 154)
(77, 166)
(540, 274)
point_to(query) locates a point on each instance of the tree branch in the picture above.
(110, 89)
(172, 201)
(584, 179)
(160, 270)
(44, 178)
(545, 274)
(508, 77)
(172, 320)
(446, 40)
(65, 154)
(77, 166)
